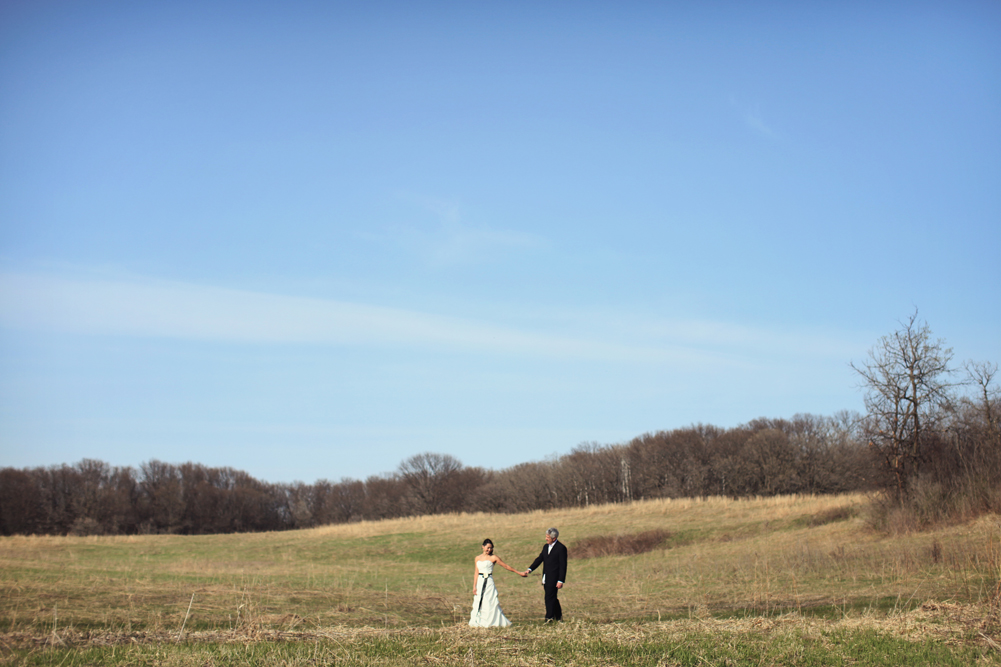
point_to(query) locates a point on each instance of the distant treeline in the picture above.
(930, 443)
(807, 454)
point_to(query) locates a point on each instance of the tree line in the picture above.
(930, 441)
(807, 454)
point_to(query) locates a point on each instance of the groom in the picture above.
(554, 572)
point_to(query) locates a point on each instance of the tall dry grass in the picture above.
(721, 559)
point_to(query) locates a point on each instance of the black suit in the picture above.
(554, 569)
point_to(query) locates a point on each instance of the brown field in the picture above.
(738, 567)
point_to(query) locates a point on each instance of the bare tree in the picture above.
(162, 500)
(975, 438)
(525, 487)
(981, 376)
(432, 480)
(906, 384)
(769, 463)
(592, 473)
(21, 502)
(384, 497)
(347, 500)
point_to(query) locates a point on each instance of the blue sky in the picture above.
(309, 240)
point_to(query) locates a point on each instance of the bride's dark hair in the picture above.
(488, 541)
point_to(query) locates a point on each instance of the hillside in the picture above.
(809, 559)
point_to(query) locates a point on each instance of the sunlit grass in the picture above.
(792, 564)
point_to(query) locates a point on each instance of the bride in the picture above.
(486, 608)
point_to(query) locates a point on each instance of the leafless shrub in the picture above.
(832, 515)
(619, 545)
(84, 526)
(935, 552)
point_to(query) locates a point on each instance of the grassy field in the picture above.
(777, 581)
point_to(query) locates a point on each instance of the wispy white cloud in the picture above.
(754, 121)
(786, 341)
(182, 310)
(752, 117)
(451, 240)
(154, 308)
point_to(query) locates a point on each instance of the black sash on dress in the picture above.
(482, 591)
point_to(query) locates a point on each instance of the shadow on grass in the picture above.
(619, 545)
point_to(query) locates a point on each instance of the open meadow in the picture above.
(773, 581)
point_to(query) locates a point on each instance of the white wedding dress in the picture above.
(486, 608)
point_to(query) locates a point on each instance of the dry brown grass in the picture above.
(795, 556)
(949, 623)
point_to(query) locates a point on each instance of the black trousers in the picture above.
(554, 612)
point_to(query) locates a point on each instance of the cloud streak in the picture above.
(451, 240)
(182, 310)
(752, 118)
(164, 309)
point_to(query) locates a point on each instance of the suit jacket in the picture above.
(554, 563)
